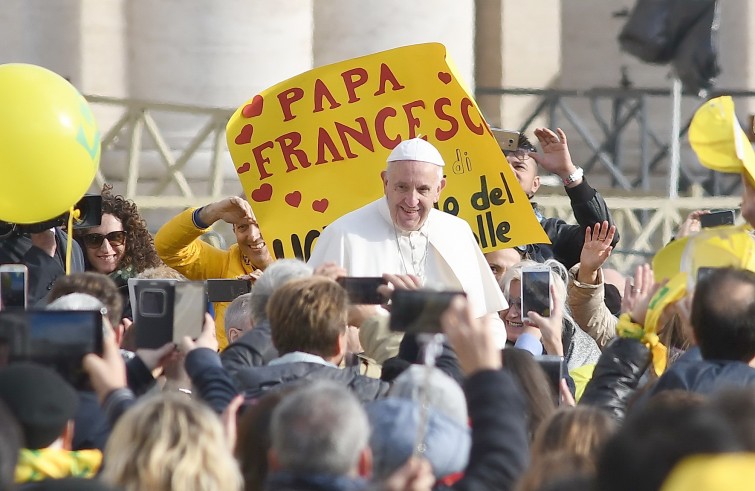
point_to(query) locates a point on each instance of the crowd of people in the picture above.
(294, 387)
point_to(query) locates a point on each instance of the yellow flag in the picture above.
(310, 149)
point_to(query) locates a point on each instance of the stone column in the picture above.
(346, 29)
(518, 45)
(216, 54)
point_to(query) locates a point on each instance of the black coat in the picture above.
(567, 240)
(43, 269)
(500, 444)
(694, 374)
(616, 376)
(256, 381)
(253, 349)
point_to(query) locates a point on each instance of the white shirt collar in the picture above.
(299, 356)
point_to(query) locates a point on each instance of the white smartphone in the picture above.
(536, 291)
(14, 285)
(507, 140)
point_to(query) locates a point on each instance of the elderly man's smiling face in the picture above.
(411, 188)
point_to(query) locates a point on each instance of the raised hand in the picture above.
(596, 251)
(233, 210)
(207, 339)
(107, 373)
(550, 327)
(691, 225)
(471, 339)
(637, 293)
(330, 270)
(555, 157)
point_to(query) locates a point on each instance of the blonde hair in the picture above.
(169, 442)
(581, 430)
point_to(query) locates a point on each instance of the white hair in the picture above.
(76, 301)
(388, 166)
(238, 314)
(559, 278)
(319, 429)
(276, 275)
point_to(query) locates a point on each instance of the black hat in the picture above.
(41, 400)
(612, 299)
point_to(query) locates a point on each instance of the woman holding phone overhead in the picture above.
(121, 246)
(571, 342)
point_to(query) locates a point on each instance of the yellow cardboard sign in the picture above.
(310, 149)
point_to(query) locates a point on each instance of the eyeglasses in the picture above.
(519, 153)
(515, 303)
(94, 241)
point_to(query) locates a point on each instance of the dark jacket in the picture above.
(43, 269)
(211, 382)
(286, 481)
(616, 376)
(497, 412)
(500, 444)
(253, 349)
(256, 381)
(92, 423)
(694, 374)
(567, 240)
(499, 453)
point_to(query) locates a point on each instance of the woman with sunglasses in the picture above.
(121, 246)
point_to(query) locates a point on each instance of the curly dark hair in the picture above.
(140, 251)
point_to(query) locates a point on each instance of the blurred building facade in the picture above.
(219, 54)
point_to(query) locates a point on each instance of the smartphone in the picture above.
(13, 286)
(168, 310)
(189, 307)
(717, 218)
(227, 290)
(536, 291)
(507, 140)
(363, 290)
(55, 338)
(419, 311)
(553, 366)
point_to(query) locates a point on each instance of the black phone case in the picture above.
(227, 290)
(419, 311)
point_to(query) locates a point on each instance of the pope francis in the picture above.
(402, 233)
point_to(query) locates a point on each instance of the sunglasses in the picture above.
(94, 241)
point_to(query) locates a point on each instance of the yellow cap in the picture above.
(717, 247)
(725, 472)
(678, 264)
(718, 140)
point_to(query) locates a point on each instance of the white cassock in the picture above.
(443, 252)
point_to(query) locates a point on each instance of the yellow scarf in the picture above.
(628, 329)
(55, 463)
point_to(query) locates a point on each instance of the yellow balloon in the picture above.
(49, 144)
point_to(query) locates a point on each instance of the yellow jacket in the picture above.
(178, 245)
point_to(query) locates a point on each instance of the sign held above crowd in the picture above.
(310, 149)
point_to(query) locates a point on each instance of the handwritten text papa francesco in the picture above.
(345, 139)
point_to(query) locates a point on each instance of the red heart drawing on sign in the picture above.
(254, 108)
(263, 193)
(320, 205)
(245, 136)
(293, 199)
(244, 168)
(444, 77)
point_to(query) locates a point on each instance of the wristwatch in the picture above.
(574, 176)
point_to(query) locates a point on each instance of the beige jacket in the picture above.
(588, 308)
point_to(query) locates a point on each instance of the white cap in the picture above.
(416, 149)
